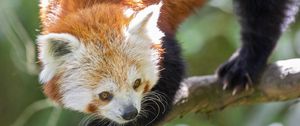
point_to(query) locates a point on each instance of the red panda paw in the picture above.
(239, 73)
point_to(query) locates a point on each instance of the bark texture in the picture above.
(279, 82)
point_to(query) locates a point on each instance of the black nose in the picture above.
(130, 112)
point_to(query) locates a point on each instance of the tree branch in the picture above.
(280, 82)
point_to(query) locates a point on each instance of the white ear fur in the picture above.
(44, 3)
(145, 22)
(49, 47)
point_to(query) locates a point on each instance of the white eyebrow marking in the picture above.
(106, 84)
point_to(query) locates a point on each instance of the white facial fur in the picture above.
(80, 79)
(121, 99)
(115, 108)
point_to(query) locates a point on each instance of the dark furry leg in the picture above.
(262, 22)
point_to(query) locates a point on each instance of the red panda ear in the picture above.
(55, 49)
(145, 22)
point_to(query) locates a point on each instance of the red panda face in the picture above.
(102, 65)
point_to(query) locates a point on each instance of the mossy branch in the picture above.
(279, 82)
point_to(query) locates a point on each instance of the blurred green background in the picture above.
(208, 39)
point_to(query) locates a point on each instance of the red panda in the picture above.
(117, 59)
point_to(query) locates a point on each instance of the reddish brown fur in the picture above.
(51, 89)
(92, 27)
(172, 14)
(146, 87)
(93, 106)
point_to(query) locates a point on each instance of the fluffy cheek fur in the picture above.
(78, 98)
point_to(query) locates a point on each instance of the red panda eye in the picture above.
(105, 96)
(137, 83)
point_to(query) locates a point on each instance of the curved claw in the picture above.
(247, 87)
(250, 82)
(225, 85)
(234, 91)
